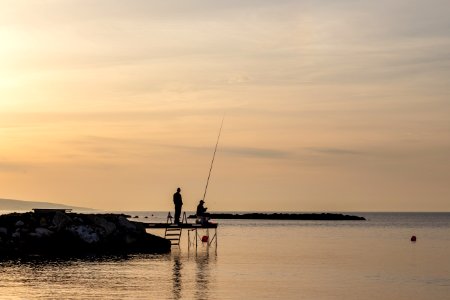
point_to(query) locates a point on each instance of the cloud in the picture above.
(111, 145)
(334, 151)
(256, 152)
(76, 11)
(7, 167)
(15, 119)
(239, 79)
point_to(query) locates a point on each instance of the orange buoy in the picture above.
(413, 238)
(205, 238)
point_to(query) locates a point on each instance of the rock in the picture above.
(43, 222)
(61, 220)
(40, 231)
(107, 227)
(130, 239)
(85, 233)
(23, 230)
(124, 223)
(3, 231)
(66, 234)
(78, 220)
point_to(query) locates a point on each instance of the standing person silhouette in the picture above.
(178, 201)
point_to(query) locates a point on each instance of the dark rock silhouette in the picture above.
(286, 216)
(57, 233)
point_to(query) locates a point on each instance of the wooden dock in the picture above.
(173, 232)
(181, 225)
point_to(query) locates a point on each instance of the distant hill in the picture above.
(20, 205)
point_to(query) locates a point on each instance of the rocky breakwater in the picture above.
(58, 233)
(286, 216)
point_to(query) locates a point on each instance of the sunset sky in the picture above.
(329, 105)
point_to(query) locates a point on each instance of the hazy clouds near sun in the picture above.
(330, 105)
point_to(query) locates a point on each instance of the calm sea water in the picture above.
(261, 260)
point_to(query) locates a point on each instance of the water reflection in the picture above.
(191, 274)
(177, 282)
(179, 275)
(112, 277)
(202, 275)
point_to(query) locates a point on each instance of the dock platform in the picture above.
(181, 225)
(173, 232)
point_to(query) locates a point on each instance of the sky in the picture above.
(327, 105)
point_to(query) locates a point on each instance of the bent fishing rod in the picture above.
(212, 161)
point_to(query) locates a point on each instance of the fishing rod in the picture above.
(212, 162)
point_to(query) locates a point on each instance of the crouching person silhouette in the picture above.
(202, 215)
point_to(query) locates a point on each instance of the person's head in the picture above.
(178, 190)
(201, 201)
